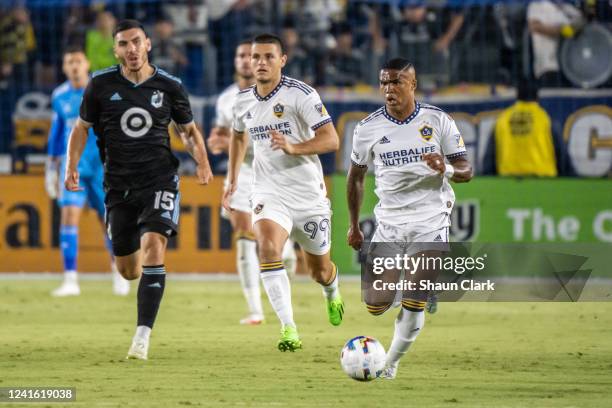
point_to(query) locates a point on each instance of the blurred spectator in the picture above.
(99, 42)
(17, 41)
(549, 21)
(421, 35)
(299, 65)
(191, 22)
(166, 52)
(523, 143)
(346, 62)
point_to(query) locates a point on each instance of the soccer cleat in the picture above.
(121, 287)
(335, 310)
(290, 340)
(139, 349)
(432, 303)
(252, 320)
(389, 372)
(67, 289)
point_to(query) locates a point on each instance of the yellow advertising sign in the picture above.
(28, 238)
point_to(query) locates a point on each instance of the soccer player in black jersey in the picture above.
(130, 107)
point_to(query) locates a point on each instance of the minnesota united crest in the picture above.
(157, 99)
(279, 109)
(426, 132)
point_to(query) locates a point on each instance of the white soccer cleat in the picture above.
(67, 288)
(252, 320)
(121, 287)
(389, 372)
(139, 349)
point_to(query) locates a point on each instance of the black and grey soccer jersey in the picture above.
(131, 121)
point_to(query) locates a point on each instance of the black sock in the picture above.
(150, 292)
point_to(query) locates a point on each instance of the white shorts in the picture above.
(242, 195)
(391, 240)
(311, 229)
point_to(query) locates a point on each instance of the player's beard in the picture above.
(142, 64)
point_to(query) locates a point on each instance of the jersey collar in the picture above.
(272, 93)
(405, 121)
(137, 84)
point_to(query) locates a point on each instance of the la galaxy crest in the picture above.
(426, 132)
(279, 109)
(157, 99)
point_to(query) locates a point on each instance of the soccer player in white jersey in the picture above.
(416, 150)
(288, 126)
(246, 248)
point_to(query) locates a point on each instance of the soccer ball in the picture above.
(363, 358)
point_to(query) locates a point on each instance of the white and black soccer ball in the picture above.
(363, 358)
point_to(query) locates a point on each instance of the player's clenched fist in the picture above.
(355, 238)
(435, 161)
(279, 142)
(204, 174)
(71, 181)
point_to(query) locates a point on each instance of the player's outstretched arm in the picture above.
(237, 151)
(325, 140)
(354, 195)
(76, 144)
(193, 141)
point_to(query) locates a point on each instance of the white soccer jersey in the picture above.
(295, 110)
(224, 116)
(409, 191)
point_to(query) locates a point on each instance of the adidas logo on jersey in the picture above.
(438, 238)
(384, 140)
(116, 97)
(248, 115)
(167, 215)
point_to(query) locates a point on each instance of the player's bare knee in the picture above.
(320, 274)
(268, 250)
(378, 309)
(131, 272)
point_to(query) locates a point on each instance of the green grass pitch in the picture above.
(469, 354)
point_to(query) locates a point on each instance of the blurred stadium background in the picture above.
(470, 58)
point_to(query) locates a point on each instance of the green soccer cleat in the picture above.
(290, 339)
(335, 310)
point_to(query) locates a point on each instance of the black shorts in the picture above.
(129, 214)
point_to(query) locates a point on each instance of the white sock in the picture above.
(144, 332)
(71, 277)
(289, 258)
(408, 325)
(248, 270)
(278, 289)
(331, 291)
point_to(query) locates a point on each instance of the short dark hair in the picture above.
(128, 24)
(245, 41)
(399, 64)
(73, 48)
(270, 39)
